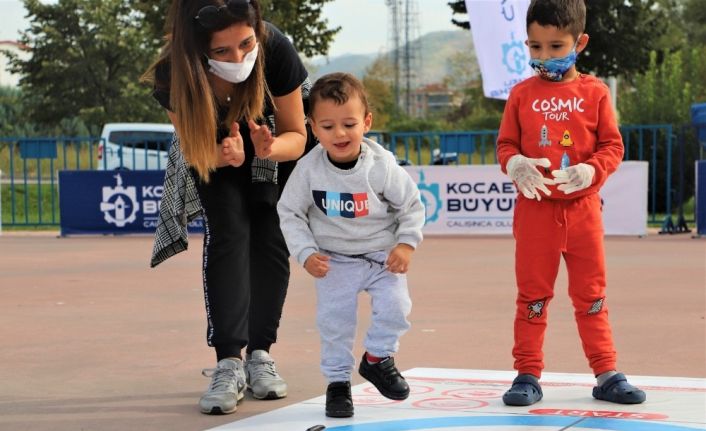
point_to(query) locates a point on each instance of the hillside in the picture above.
(437, 50)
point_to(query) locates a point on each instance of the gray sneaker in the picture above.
(262, 377)
(226, 389)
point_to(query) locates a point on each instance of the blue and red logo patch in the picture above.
(348, 205)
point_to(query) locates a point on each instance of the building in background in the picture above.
(433, 100)
(8, 79)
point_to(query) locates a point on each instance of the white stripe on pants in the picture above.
(337, 306)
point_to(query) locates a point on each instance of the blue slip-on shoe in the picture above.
(618, 390)
(525, 391)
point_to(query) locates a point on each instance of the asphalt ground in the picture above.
(92, 339)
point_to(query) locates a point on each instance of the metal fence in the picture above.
(29, 185)
(29, 179)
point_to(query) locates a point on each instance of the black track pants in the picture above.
(245, 263)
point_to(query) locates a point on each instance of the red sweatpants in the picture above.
(544, 231)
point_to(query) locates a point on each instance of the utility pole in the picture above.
(394, 33)
(406, 58)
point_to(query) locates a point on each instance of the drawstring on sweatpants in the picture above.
(364, 257)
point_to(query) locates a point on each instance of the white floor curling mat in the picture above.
(456, 400)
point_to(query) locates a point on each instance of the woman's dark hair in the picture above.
(192, 98)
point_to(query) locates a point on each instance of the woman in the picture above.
(222, 71)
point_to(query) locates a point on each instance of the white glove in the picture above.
(574, 178)
(523, 171)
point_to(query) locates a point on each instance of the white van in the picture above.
(134, 146)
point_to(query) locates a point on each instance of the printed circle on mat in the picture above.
(413, 390)
(449, 404)
(372, 400)
(470, 393)
(419, 389)
(505, 423)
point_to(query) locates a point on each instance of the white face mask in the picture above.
(234, 72)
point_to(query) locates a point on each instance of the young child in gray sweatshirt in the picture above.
(352, 217)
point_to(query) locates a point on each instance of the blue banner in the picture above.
(700, 215)
(103, 202)
(40, 148)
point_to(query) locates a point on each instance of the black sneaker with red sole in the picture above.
(385, 377)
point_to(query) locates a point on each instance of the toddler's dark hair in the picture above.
(339, 87)
(569, 15)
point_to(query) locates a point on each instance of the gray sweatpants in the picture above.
(337, 307)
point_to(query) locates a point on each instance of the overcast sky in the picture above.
(363, 22)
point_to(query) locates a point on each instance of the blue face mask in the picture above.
(554, 69)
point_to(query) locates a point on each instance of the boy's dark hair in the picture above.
(569, 15)
(339, 87)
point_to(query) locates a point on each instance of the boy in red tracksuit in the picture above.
(559, 141)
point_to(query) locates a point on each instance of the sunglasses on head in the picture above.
(213, 16)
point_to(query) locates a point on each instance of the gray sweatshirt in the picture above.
(373, 206)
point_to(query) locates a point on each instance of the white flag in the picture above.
(499, 32)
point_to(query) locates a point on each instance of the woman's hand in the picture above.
(231, 149)
(262, 139)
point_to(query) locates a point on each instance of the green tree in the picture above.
(378, 81)
(694, 17)
(665, 92)
(463, 71)
(476, 112)
(622, 33)
(14, 123)
(154, 15)
(87, 56)
(300, 19)
(10, 111)
(664, 95)
(405, 123)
